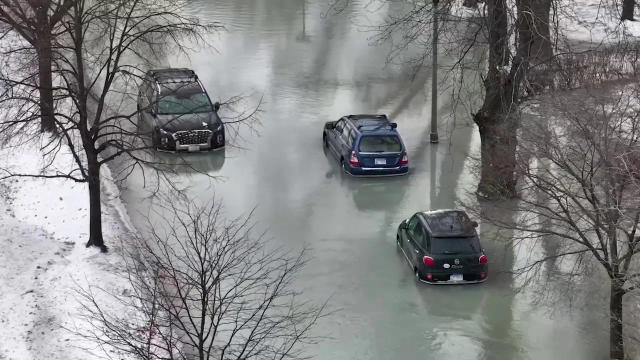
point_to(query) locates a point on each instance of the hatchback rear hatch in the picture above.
(379, 151)
(460, 253)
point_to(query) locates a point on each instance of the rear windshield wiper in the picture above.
(450, 252)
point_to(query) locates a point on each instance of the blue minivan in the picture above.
(366, 145)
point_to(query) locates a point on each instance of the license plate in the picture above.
(382, 161)
(193, 148)
(455, 277)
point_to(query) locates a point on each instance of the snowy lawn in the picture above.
(43, 259)
(596, 22)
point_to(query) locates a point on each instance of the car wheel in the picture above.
(324, 141)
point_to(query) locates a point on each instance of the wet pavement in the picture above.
(310, 66)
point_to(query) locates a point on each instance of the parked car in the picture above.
(442, 247)
(176, 111)
(366, 145)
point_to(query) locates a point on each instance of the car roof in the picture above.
(379, 123)
(172, 75)
(449, 223)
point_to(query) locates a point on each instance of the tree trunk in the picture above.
(45, 78)
(534, 18)
(627, 9)
(495, 120)
(95, 205)
(498, 23)
(534, 42)
(498, 154)
(616, 344)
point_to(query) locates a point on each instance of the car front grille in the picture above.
(192, 137)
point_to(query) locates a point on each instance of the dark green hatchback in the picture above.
(442, 247)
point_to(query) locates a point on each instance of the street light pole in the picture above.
(434, 77)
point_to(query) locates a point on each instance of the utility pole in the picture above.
(303, 36)
(434, 77)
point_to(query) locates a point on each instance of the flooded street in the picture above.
(310, 66)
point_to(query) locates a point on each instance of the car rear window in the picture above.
(450, 222)
(452, 246)
(380, 143)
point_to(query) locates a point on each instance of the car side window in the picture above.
(153, 96)
(427, 241)
(419, 236)
(352, 137)
(345, 134)
(339, 125)
(144, 89)
(413, 223)
(152, 92)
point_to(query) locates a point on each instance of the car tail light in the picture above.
(429, 277)
(354, 159)
(428, 261)
(483, 275)
(483, 259)
(405, 159)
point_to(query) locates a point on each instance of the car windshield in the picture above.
(380, 143)
(183, 100)
(455, 245)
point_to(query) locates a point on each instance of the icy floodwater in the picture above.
(311, 66)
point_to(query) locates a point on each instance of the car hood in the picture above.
(181, 122)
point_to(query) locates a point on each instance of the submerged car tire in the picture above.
(324, 141)
(416, 274)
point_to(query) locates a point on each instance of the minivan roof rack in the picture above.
(390, 126)
(368, 116)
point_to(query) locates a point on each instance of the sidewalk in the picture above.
(43, 259)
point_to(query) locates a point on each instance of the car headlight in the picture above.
(217, 127)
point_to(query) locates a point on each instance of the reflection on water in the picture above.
(369, 193)
(377, 194)
(183, 164)
(310, 68)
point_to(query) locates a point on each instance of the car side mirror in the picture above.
(474, 224)
(394, 125)
(330, 126)
(216, 106)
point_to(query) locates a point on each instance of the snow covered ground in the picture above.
(596, 22)
(586, 21)
(43, 258)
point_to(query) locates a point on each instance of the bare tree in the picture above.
(99, 58)
(579, 164)
(202, 287)
(36, 21)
